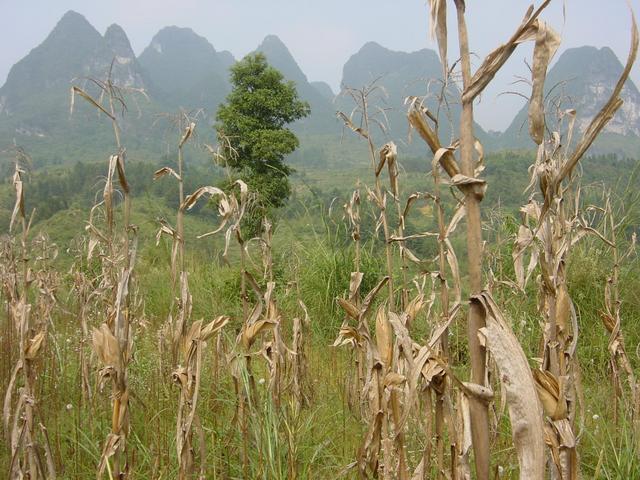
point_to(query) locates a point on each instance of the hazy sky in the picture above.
(322, 35)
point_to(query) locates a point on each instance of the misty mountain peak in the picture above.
(373, 47)
(71, 28)
(118, 41)
(273, 41)
(279, 56)
(186, 68)
(177, 40)
(73, 19)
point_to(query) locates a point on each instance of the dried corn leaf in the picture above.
(6, 407)
(348, 336)
(366, 304)
(34, 346)
(384, 337)
(354, 286)
(414, 307)
(191, 200)
(547, 42)
(525, 411)
(188, 131)
(19, 205)
(446, 157)
(439, 28)
(496, 59)
(349, 123)
(250, 332)
(563, 308)
(213, 327)
(550, 392)
(165, 171)
(111, 446)
(78, 91)
(106, 346)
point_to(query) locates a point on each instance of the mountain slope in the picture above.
(34, 101)
(322, 118)
(186, 70)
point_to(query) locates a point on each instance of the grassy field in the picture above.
(312, 260)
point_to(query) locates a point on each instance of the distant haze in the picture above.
(323, 35)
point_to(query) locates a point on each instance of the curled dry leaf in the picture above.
(547, 42)
(384, 337)
(78, 91)
(106, 345)
(349, 123)
(251, 332)
(496, 59)
(188, 131)
(446, 158)
(349, 308)
(414, 307)
(165, 171)
(525, 411)
(34, 346)
(550, 392)
(213, 327)
(348, 336)
(439, 27)
(191, 200)
(607, 112)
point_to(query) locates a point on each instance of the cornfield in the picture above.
(404, 389)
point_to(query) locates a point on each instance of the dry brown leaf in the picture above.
(563, 308)
(496, 59)
(349, 308)
(213, 327)
(525, 411)
(439, 27)
(188, 131)
(78, 91)
(550, 393)
(165, 171)
(348, 336)
(547, 42)
(106, 346)
(251, 332)
(384, 337)
(191, 200)
(34, 346)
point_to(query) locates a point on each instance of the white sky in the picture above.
(322, 35)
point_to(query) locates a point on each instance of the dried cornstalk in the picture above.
(30, 454)
(555, 230)
(187, 376)
(231, 210)
(612, 318)
(464, 176)
(177, 323)
(113, 341)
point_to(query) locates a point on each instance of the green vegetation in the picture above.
(252, 127)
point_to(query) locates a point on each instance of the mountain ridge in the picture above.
(182, 69)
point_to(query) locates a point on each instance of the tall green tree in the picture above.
(252, 124)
